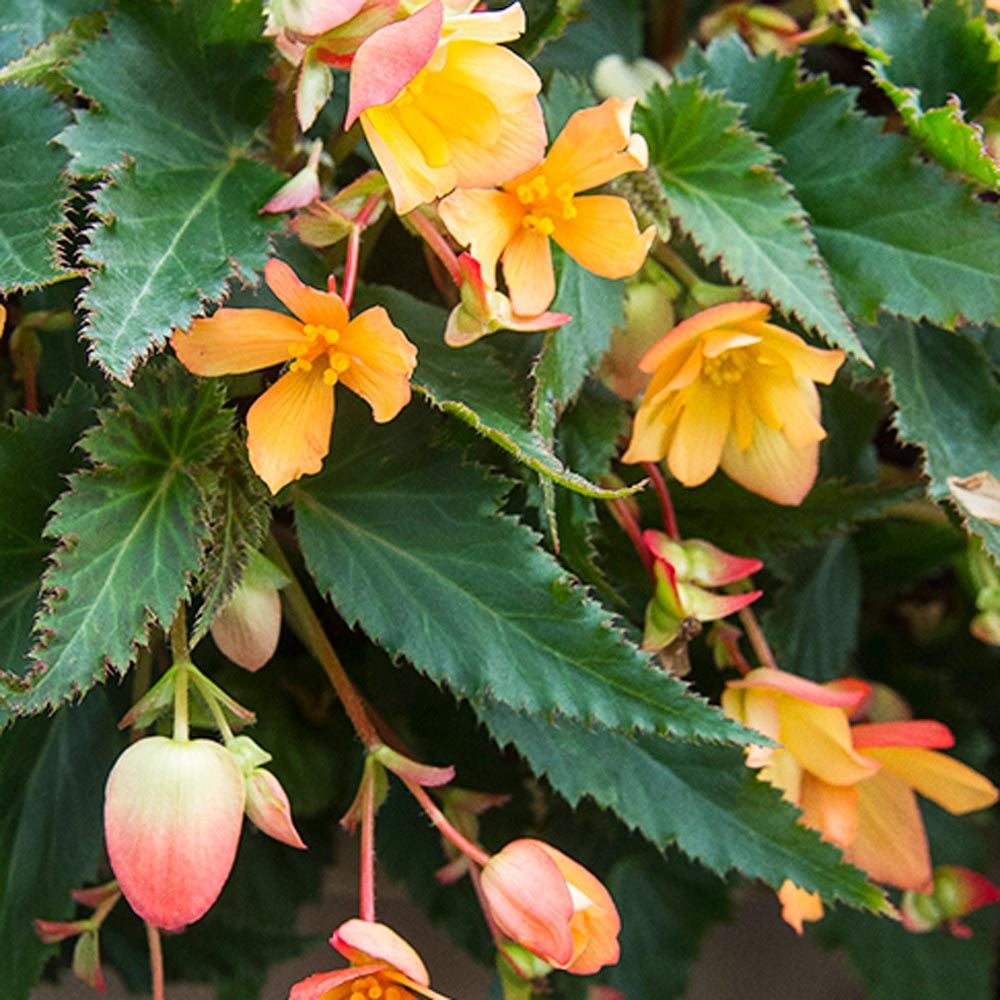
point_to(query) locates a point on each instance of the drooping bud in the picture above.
(172, 817)
(613, 76)
(957, 892)
(248, 625)
(700, 562)
(303, 188)
(552, 906)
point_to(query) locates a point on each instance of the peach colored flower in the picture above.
(514, 225)
(730, 389)
(383, 967)
(443, 105)
(551, 906)
(289, 425)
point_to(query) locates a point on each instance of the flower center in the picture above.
(371, 988)
(319, 345)
(728, 368)
(545, 205)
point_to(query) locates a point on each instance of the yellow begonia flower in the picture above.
(730, 389)
(443, 105)
(514, 225)
(289, 425)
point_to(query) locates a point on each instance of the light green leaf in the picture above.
(702, 798)
(720, 181)
(131, 532)
(948, 404)
(896, 235)
(410, 544)
(469, 383)
(52, 774)
(32, 187)
(180, 214)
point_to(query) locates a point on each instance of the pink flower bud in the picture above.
(269, 810)
(172, 817)
(552, 906)
(87, 961)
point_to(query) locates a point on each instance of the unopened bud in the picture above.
(613, 76)
(649, 314)
(269, 810)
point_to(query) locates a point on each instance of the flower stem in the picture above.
(155, 961)
(756, 636)
(366, 904)
(663, 495)
(674, 263)
(626, 519)
(444, 825)
(351, 265)
(437, 243)
(182, 657)
(307, 626)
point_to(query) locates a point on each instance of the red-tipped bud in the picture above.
(552, 906)
(172, 817)
(425, 775)
(87, 961)
(303, 188)
(700, 562)
(986, 627)
(957, 892)
(269, 810)
(54, 931)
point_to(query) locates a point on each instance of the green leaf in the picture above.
(706, 801)
(721, 184)
(180, 214)
(409, 543)
(472, 385)
(666, 907)
(813, 627)
(131, 532)
(43, 64)
(52, 775)
(32, 185)
(948, 403)
(740, 521)
(26, 23)
(36, 453)
(547, 20)
(896, 235)
(605, 26)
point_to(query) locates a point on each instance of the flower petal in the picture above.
(604, 237)
(234, 341)
(289, 428)
(797, 906)
(814, 363)
(698, 442)
(596, 145)
(363, 940)
(831, 809)
(483, 220)
(527, 269)
(771, 467)
(831, 695)
(948, 782)
(924, 733)
(382, 361)
(487, 26)
(318, 985)
(309, 304)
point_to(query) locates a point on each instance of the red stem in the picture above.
(624, 516)
(438, 818)
(351, 265)
(155, 961)
(438, 244)
(366, 903)
(663, 495)
(757, 640)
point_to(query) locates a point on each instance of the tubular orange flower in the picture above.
(730, 389)
(289, 426)
(443, 105)
(383, 965)
(552, 906)
(514, 224)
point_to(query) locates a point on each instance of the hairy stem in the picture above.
(757, 640)
(472, 851)
(155, 961)
(663, 496)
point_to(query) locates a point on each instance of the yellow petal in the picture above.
(771, 467)
(942, 779)
(831, 809)
(701, 433)
(603, 236)
(798, 906)
(483, 220)
(891, 844)
(235, 341)
(795, 404)
(382, 361)
(527, 269)
(289, 428)
(813, 363)
(309, 304)
(650, 434)
(596, 146)
(819, 737)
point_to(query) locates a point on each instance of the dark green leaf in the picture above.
(896, 235)
(604, 26)
(720, 182)
(32, 187)
(948, 400)
(705, 800)
(26, 23)
(547, 20)
(180, 215)
(53, 774)
(131, 532)
(409, 543)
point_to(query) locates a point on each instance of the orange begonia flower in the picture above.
(289, 425)
(443, 105)
(383, 967)
(730, 389)
(514, 225)
(551, 906)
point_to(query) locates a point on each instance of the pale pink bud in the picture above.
(304, 187)
(172, 817)
(552, 906)
(269, 810)
(87, 961)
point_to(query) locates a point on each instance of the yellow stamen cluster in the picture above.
(371, 988)
(319, 342)
(545, 204)
(728, 368)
